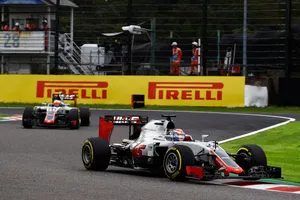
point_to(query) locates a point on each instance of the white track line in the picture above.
(225, 113)
(206, 112)
(257, 131)
(262, 186)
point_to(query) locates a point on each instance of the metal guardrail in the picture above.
(73, 57)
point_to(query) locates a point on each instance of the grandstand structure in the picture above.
(28, 51)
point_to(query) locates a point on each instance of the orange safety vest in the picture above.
(16, 29)
(46, 29)
(177, 53)
(195, 52)
(33, 27)
(236, 69)
(28, 27)
(5, 27)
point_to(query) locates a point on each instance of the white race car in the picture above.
(57, 114)
(158, 146)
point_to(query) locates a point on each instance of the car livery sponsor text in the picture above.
(126, 119)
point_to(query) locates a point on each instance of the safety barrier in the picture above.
(158, 90)
(256, 96)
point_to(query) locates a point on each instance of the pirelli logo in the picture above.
(82, 89)
(210, 91)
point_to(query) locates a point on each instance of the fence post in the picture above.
(153, 42)
(245, 38)
(218, 45)
(203, 37)
(288, 38)
(57, 17)
(129, 42)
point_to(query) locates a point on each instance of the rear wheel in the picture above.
(74, 119)
(85, 116)
(96, 154)
(175, 161)
(27, 117)
(251, 155)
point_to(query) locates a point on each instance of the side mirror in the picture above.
(204, 136)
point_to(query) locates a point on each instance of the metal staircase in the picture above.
(70, 54)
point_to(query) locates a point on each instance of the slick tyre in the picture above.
(74, 119)
(175, 161)
(85, 116)
(251, 155)
(27, 117)
(96, 154)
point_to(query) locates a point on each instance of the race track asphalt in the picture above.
(46, 163)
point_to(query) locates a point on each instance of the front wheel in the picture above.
(74, 119)
(251, 155)
(27, 117)
(85, 116)
(175, 161)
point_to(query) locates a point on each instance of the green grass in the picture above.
(270, 110)
(281, 145)
(3, 115)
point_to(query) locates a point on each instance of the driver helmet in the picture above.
(57, 103)
(62, 96)
(178, 135)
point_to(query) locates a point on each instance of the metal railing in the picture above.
(72, 55)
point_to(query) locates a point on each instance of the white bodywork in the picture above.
(152, 134)
(51, 111)
(51, 108)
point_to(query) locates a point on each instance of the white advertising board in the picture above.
(22, 41)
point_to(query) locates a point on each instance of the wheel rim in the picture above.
(87, 154)
(248, 158)
(171, 163)
(246, 161)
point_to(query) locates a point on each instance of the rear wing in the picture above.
(65, 97)
(107, 123)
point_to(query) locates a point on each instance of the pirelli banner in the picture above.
(158, 90)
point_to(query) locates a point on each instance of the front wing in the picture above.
(39, 122)
(257, 172)
(53, 125)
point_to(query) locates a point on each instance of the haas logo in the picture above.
(124, 119)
